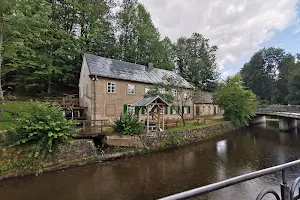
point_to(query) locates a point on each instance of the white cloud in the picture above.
(225, 74)
(237, 27)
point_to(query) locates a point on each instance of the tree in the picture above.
(239, 105)
(294, 86)
(196, 61)
(178, 96)
(285, 69)
(263, 70)
(139, 40)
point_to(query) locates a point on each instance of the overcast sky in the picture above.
(237, 27)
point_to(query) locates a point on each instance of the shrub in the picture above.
(128, 124)
(43, 125)
(173, 139)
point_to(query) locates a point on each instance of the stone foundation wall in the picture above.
(188, 136)
(76, 150)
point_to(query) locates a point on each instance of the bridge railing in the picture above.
(287, 192)
(278, 108)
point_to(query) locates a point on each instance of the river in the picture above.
(163, 173)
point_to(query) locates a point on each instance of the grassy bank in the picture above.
(11, 110)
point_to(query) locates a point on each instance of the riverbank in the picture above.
(15, 162)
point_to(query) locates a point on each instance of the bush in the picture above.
(173, 139)
(43, 125)
(128, 124)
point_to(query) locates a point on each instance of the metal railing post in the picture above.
(284, 187)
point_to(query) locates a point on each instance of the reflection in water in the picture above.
(163, 173)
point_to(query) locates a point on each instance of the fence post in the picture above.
(285, 189)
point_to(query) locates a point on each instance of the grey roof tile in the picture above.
(148, 100)
(117, 69)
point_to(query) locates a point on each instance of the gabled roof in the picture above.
(148, 100)
(204, 98)
(110, 68)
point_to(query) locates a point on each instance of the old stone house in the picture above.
(203, 105)
(109, 87)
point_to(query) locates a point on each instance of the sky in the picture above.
(238, 27)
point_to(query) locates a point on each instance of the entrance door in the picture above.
(215, 110)
(197, 111)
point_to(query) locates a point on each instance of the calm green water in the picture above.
(159, 174)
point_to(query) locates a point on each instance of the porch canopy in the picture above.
(152, 104)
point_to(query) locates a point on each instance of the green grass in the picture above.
(8, 117)
(12, 107)
(191, 125)
(5, 125)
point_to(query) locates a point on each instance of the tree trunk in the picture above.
(1, 44)
(1, 91)
(183, 120)
(49, 85)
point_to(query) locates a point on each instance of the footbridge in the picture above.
(287, 115)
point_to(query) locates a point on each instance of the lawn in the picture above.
(192, 125)
(10, 109)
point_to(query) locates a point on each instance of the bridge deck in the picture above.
(280, 114)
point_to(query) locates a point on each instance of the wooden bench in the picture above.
(171, 123)
(200, 121)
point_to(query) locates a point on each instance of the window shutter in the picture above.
(183, 108)
(143, 110)
(171, 110)
(125, 108)
(136, 110)
(189, 109)
(178, 109)
(166, 110)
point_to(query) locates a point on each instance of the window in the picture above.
(131, 89)
(162, 90)
(87, 90)
(174, 91)
(147, 89)
(111, 87)
(130, 108)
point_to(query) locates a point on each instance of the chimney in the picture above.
(149, 67)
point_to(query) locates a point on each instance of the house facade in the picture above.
(109, 87)
(204, 106)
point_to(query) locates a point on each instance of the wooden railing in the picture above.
(92, 127)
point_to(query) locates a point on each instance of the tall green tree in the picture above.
(260, 74)
(285, 70)
(239, 105)
(293, 96)
(196, 61)
(139, 39)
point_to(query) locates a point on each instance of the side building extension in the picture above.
(109, 87)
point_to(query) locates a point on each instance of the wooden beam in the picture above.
(147, 109)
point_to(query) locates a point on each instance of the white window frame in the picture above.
(130, 108)
(162, 90)
(111, 87)
(129, 89)
(147, 89)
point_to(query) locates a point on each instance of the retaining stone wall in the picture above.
(191, 135)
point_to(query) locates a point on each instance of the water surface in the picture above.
(163, 173)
